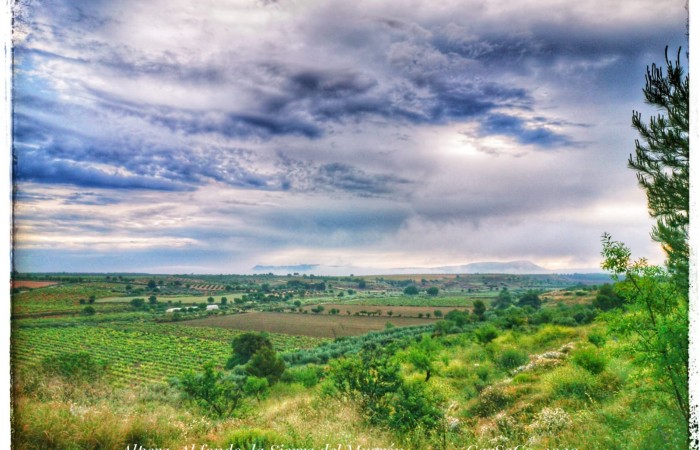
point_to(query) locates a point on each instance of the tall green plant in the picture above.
(656, 315)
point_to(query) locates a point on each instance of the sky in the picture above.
(329, 137)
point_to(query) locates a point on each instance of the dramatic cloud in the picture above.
(219, 136)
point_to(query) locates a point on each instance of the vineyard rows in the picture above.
(132, 356)
(208, 287)
(59, 298)
(281, 342)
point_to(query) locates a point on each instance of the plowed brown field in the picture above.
(304, 324)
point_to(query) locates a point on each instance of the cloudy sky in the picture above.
(213, 136)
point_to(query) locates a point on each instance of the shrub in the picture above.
(410, 290)
(607, 299)
(460, 318)
(597, 338)
(374, 381)
(493, 399)
(486, 333)
(88, 311)
(368, 379)
(266, 364)
(590, 360)
(213, 391)
(415, 408)
(443, 327)
(308, 376)
(512, 358)
(245, 346)
(530, 298)
(565, 321)
(256, 387)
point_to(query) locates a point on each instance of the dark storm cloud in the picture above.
(502, 124)
(38, 168)
(327, 228)
(309, 176)
(91, 198)
(350, 179)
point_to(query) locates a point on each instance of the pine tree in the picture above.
(661, 161)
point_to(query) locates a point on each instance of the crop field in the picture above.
(313, 325)
(132, 356)
(569, 297)
(63, 297)
(421, 301)
(31, 284)
(138, 353)
(281, 342)
(386, 310)
(172, 298)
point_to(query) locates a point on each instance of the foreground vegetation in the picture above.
(540, 369)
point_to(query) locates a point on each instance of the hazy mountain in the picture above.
(514, 267)
(511, 267)
(286, 269)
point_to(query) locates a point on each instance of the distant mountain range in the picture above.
(511, 267)
(286, 269)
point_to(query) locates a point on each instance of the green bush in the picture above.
(597, 338)
(266, 364)
(486, 333)
(512, 358)
(211, 390)
(590, 359)
(245, 346)
(410, 290)
(308, 376)
(415, 408)
(374, 381)
(565, 321)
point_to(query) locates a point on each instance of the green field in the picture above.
(185, 299)
(138, 353)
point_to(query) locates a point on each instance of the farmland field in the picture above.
(31, 284)
(59, 298)
(132, 356)
(386, 309)
(421, 301)
(138, 352)
(172, 298)
(304, 324)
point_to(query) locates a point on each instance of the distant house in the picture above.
(172, 310)
(212, 307)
